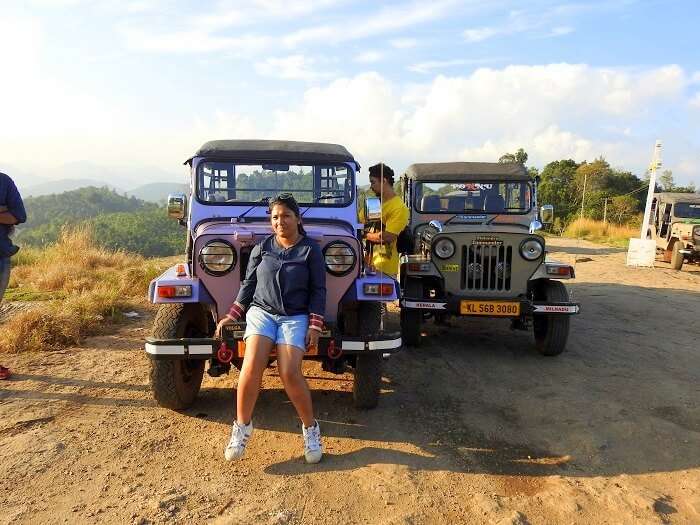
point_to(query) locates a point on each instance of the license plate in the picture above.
(491, 308)
(240, 350)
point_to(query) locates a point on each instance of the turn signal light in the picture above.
(560, 270)
(379, 289)
(170, 292)
(180, 270)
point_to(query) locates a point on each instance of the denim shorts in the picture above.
(282, 329)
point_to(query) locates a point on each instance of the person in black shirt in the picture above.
(11, 213)
(284, 292)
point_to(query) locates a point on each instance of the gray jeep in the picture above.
(674, 224)
(476, 252)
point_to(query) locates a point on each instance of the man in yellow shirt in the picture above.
(395, 216)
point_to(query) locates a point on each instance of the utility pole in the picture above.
(583, 197)
(655, 164)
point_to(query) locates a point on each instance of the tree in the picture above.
(623, 208)
(666, 180)
(557, 186)
(519, 157)
(666, 183)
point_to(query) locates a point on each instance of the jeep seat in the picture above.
(494, 204)
(455, 204)
(430, 203)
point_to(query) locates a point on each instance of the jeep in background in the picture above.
(226, 214)
(476, 252)
(674, 224)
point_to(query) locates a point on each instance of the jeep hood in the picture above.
(260, 229)
(485, 229)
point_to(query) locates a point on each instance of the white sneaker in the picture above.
(240, 434)
(313, 450)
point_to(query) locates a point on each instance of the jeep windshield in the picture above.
(687, 210)
(247, 183)
(473, 197)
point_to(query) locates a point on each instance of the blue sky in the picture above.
(142, 83)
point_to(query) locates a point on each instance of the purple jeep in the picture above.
(226, 214)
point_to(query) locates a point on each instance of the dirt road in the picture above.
(474, 427)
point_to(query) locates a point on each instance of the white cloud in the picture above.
(695, 101)
(403, 43)
(383, 21)
(561, 31)
(290, 67)
(695, 78)
(209, 32)
(191, 42)
(553, 111)
(427, 67)
(369, 57)
(480, 34)
(540, 22)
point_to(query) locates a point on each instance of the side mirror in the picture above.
(547, 214)
(177, 206)
(373, 209)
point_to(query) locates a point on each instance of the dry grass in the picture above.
(94, 285)
(599, 231)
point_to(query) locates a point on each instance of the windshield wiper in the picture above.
(264, 200)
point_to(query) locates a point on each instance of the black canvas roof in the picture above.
(274, 150)
(678, 197)
(472, 170)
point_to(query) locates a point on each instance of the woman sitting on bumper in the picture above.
(285, 288)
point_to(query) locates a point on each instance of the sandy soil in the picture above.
(474, 427)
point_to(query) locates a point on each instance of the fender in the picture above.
(357, 292)
(179, 276)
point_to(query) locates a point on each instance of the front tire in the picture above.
(367, 381)
(551, 331)
(411, 319)
(677, 256)
(175, 383)
(410, 326)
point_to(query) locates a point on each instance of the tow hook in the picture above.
(224, 354)
(334, 352)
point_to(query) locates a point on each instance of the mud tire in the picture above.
(551, 331)
(175, 383)
(677, 256)
(410, 327)
(412, 319)
(367, 381)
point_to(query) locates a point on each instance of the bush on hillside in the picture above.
(95, 285)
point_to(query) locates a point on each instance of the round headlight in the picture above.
(340, 258)
(217, 257)
(444, 248)
(531, 249)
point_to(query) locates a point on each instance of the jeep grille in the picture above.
(486, 265)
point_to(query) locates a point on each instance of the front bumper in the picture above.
(329, 346)
(527, 308)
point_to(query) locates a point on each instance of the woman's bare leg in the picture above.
(257, 355)
(289, 365)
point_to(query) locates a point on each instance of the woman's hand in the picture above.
(226, 321)
(312, 338)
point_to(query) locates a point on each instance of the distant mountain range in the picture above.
(143, 182)
(52, 187)
(157, 191)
